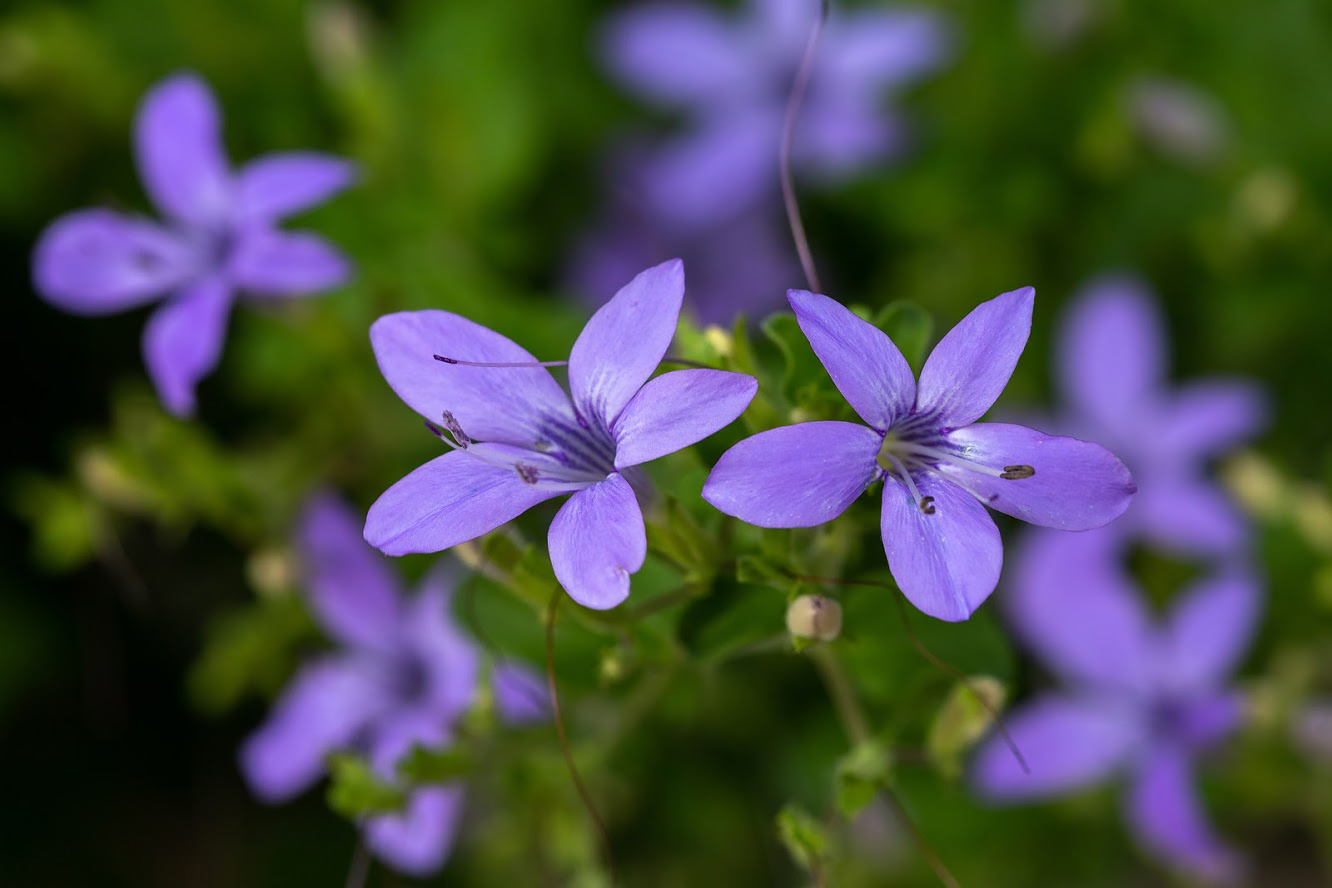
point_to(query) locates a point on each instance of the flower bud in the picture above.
(814, 616)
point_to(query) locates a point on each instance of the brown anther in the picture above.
(456, 430)
(1017, 473)
(526, 472)
(927, 505)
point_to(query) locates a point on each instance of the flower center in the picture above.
(409, 679)
(915, 446)
(565, 456)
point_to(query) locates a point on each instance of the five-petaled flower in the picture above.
(1112, 359)
(1139, 699)
(403, 675)
(732, 75)
(221, 237)
(937, 463)
(518, 439)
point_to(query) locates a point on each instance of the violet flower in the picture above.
(1112, 358)
(220, 238)
(731, 75)
(720, 288)
(1140, 700)
(401, 676)
(518, 439)
(938, 465)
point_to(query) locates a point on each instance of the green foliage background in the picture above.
(146, 608)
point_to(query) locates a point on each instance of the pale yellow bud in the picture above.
(814, 616)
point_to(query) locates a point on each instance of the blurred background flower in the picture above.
(1137, 700)
(221, 238)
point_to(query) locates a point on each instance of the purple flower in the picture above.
(938, 465)
(731, 75)
(518, 439)
(720, 287)
(402, 675)
(1139, 700)
(1112, 358)
(220, 238)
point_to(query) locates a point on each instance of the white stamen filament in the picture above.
(907, 448)
(1007, 473)
(544, 476)
(926, 503)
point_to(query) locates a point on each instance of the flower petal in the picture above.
(878, 49)
(1163, 812)
(397, 732)
(842, 135)
(721, 167)
(1071, 603)
(280, 263)
(449, 500)
(1209, 630)
(449, 656)
(677, 409)
(865, 364)
(597, 540)
(1206, 418)
(1112, 354)
(1068, 744)
(417, 841)
(281, 184)
(1202, 721)
(327, 703)
(970, 366)
(181, 159)
(97, 262)
(946, 562)
(520, 694)
(795, 476)
(505, 404)
(625, 341)
(1188, 515)
(183, 341)
(1077, 486)
(353, 593)
(675, 54)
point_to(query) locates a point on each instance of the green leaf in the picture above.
(685, 542)
(423, 765)
(909, 326)
(731, 619)
(527, 571)
(759, 570)
(763, 412)
(710, 345)
(802, 365)
(65, 525)
(861, 773)
(962, 720)
(805, 838)
(248, 650)
(355, 791)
